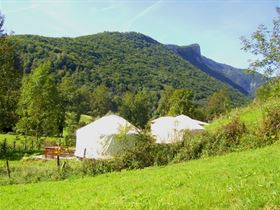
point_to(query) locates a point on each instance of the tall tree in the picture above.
(218, 103)
(181, 103)
(101, 101)
(71, 125)
(265, 44)
(75, 97)
(2, 21)
(9, 81)
(39, 108)
(137, 108)
(164, 102)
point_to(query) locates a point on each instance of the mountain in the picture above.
(121, 61)
(237, 78)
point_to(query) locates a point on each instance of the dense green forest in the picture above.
(120, 61)
(128, 73)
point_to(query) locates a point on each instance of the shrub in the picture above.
(224, 140)
(191, 147)
(251, 141)
(270, 89)
(233, 131)
(164, 153)
(139, 156)
(136, 158)
(3, 148)
(95, 167)
(270, 128)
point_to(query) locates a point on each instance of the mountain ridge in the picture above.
(237, 78)
(121, 61)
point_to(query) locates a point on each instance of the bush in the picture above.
(252, 141)
(270, 89)
(270, 128)
(191, 148)
(233, 131)
(3, 148)
(139, 156)
(224, 140)
(136, 158)
(95, 167)
(164, 153)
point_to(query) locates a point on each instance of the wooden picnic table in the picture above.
(52, 151)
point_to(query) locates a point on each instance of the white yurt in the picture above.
(104, 137)
(171, 129)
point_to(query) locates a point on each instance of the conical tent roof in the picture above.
(186, 122)
(171, 129)
(99, 138)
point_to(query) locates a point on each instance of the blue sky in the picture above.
(214, 24)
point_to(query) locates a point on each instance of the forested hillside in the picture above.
(120, 61)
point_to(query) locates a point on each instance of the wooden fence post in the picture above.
(57, 160)
(63, 165)
(8, 169)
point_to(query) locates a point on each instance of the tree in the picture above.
(71, 125)
(181, 103)
(76, 99)
(218, 103)
(68, 91)
(164, 103)
(101, 101)
(9, 81)
(39, 108)
(137, 108)
(2, 21)
(271, 89)
(265, 44)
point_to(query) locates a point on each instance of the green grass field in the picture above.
(19, 138)
(244, 180)
(33, 171)
(12, 137)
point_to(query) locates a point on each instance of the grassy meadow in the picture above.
(251, 115)
(244, 180)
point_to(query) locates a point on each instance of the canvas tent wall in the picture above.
(100, 139)
(171, 129)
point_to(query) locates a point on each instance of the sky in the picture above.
(216, 25)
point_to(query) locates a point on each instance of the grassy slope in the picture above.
(245, 180)
(251, 115)
(248, 115)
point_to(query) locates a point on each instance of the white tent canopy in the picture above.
(171, 129)
(99, 139)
